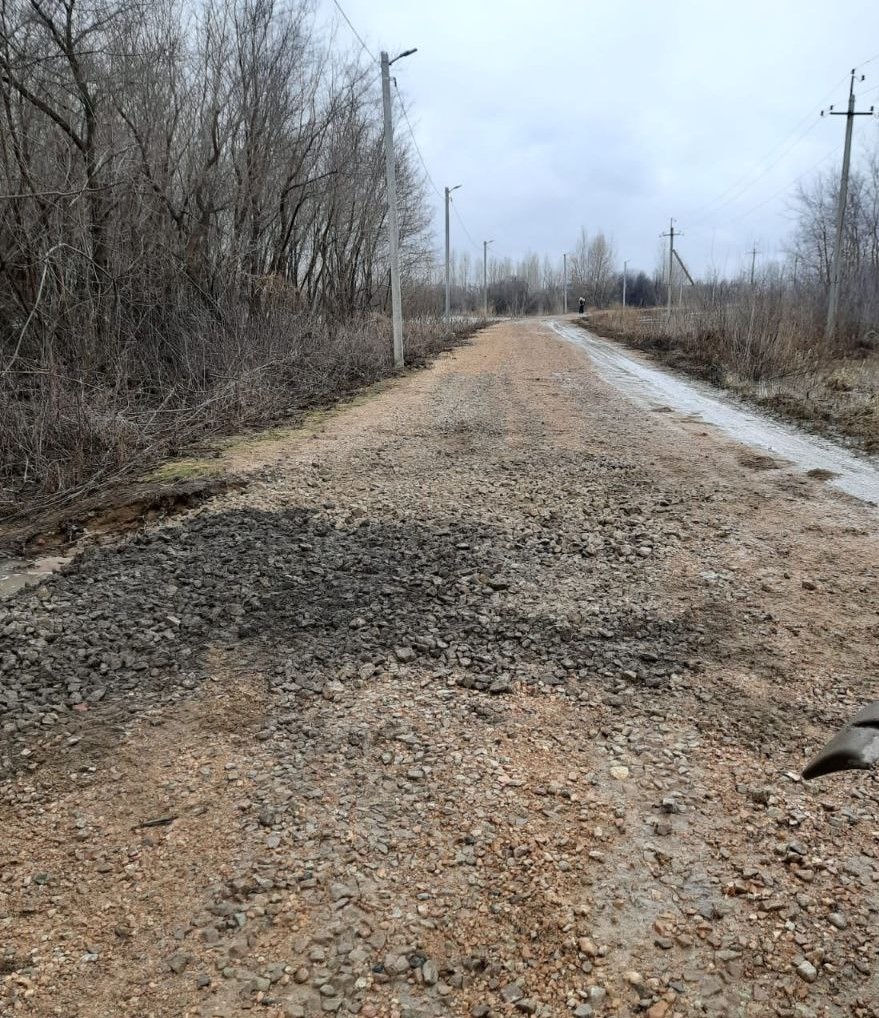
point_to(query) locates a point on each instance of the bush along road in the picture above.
(487, 697)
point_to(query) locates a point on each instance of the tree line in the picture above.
(810, 252)
(535, 285)
(189, 194)
(801, 276)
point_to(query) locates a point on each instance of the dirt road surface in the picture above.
(488, 697)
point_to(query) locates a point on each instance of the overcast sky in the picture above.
(557, 114)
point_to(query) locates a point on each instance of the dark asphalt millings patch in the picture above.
(311, 600)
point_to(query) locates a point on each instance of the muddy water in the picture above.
(857, 475)
(18, 573)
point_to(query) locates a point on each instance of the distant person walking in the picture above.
(582, 303)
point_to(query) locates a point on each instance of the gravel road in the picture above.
(487, 697)
(854, 473)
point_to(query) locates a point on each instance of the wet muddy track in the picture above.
(488, 699)
(856, 474)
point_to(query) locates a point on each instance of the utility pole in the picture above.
(753, 261)
(625, 276)
(393, 223)
(796, 266)
(850, 114)
(671, 256)
(565, 279)
(448, 251)
(485, 244)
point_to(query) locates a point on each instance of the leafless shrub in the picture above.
(192, 227)
(63, 434)
(766, 343)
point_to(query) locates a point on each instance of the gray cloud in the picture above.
(617, 117)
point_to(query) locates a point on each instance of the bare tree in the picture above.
(815, 208)
(188, 195)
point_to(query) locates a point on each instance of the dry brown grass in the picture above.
(769, 353)
(840, 399)
(67, 430)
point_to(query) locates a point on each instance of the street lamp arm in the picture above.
(405, 53)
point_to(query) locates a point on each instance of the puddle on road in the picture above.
(18, 573)
(856, 475)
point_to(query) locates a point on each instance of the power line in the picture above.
(366, 49)
(763, 173)
(415, 141)
(738, 192)
(463, 227)
(405, 112)
(864, 63)
(411, 130)
(736, 185)
(748, 173)
(775, 194)
(427, 171)
(786, 187)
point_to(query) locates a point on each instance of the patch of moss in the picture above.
(184, 470)
(245, 441)
(310, 424)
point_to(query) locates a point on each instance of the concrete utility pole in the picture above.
(850, 114)
(393, 223)
(485, 244)
(565, 280)
(448, 253)
(753, 261)
(625, 276)
(671, 256)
